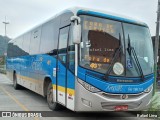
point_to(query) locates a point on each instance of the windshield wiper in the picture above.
(131, 50)
(118, 50)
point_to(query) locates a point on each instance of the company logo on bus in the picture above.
(124, 96)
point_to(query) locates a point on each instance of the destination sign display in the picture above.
(98, 59)
(98, 26)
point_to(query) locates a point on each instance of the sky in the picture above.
(22, 15)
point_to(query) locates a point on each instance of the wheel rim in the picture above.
(50, 95)
(14, 81)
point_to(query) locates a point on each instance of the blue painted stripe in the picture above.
(40, 66)
(111, 86)
(111, 79)
(119, 88)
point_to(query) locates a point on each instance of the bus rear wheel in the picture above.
(15, 84)
(52, 105)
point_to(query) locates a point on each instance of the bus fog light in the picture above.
(148, 89)
(88, 86)
(86, 102)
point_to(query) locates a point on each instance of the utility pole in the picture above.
(156, 46)
(5, 24)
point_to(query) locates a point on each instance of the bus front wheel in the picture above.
(52, 105)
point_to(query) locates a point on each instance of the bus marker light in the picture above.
(70, 97)
(86, 102)
(88, 86)
(148, 89)
(48, 62)
(41, 59)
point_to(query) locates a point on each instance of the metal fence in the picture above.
(3, 69)
(2, 64)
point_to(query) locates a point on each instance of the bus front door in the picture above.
(62, 66)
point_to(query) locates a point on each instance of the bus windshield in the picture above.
(141, 42)
(101, 40)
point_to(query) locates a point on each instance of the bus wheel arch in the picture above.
(14, 72)
(47, 80)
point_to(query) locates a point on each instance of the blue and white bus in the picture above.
(85, 60)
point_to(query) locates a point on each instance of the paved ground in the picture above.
(26, 100)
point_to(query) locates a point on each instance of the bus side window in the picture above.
(18, 47)
(71, 52)
(35, 41)
(26, 43)
(71, 57)
(47, 38)
(62, 57)
(62, 47)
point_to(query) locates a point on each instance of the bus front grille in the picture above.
(118, 96)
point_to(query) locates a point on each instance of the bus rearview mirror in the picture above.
(76, 33)
(76, 29)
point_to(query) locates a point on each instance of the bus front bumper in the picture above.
(101, 101)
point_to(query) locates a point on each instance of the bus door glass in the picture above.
(62, 65)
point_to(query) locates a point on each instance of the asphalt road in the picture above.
(28, 101)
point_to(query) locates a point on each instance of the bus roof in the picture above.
(105, 14)
(93, 12)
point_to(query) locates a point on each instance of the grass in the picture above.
(155, 104)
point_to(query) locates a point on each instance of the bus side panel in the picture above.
(17, 69)
(9, 68)
(30, 75)
(70, 90)
(34, 70)
(25, 71)
(48, 63)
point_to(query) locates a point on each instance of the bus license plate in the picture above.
(121, 108)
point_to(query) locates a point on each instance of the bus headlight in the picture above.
(148, 89)
(88, 86)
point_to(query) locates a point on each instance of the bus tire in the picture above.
(51, 104)
(15, 84)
